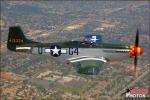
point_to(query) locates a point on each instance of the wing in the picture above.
(87, 65)
(86, 58)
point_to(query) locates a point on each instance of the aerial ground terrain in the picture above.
(33, 77)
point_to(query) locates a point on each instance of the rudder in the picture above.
(15, 37)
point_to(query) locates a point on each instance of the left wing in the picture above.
(86, 58)
(87, 68)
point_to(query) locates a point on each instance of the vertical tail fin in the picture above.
(16, 37)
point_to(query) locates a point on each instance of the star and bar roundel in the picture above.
(55, 50)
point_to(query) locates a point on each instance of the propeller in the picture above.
(135, 50)
(137, 38)
(136, 44)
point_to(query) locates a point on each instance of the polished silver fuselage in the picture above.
(110, 54)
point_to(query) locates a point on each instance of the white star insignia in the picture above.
(55, 50)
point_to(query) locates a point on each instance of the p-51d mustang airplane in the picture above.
(90, 49)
